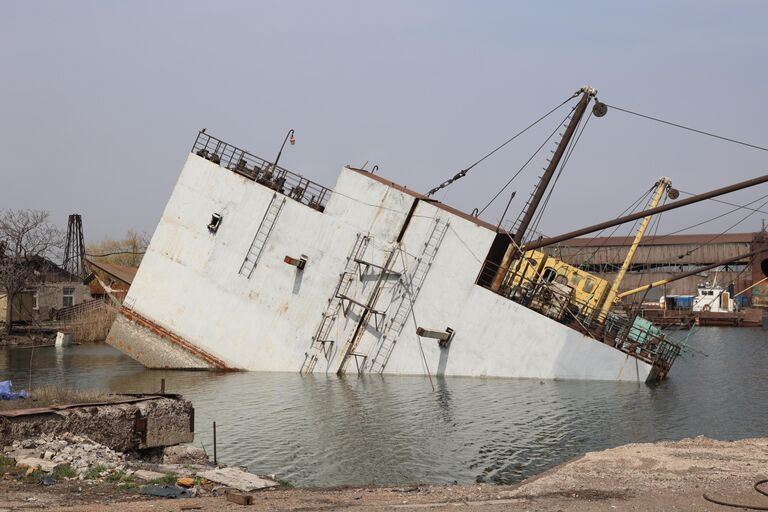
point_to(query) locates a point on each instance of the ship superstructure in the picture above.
(253, 267)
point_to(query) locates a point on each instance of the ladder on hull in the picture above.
(321, 341)
(411, 287)
(385, 271)
(262, 234)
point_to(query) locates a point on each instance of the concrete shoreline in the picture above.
(667, 475)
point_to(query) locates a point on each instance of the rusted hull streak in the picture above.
(175, 339)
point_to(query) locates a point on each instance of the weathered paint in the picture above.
(189, 285)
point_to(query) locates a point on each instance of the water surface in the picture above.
(326, 430)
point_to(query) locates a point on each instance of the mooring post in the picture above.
(215, 454)
(162, 386)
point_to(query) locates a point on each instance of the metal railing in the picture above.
(558, 302)
(83, 308)
(262, 171)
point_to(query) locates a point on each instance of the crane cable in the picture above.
(725, 202)
(688, 253)
(509, 182)
(568, 153)
(464, 172)
(695, 130)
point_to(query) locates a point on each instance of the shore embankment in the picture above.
(636, 477)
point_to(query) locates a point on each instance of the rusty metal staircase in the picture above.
(262, 234)
(410, 288)
(321, 341)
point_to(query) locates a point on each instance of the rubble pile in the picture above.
(74, 457)
(49, 452)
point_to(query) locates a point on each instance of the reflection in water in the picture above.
(324, 430)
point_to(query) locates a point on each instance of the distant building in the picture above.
(663, 256)
(51, 289)
(110, 279)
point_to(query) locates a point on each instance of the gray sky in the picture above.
(101, 101)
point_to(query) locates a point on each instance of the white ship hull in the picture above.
(197, 302)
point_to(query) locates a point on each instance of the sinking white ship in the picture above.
(253, 267)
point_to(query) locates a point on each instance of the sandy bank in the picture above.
(636, 477)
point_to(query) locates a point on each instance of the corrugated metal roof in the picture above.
(621, 241)
(120, 272)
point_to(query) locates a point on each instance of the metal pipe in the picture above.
(215, 453)
(653, 211)
(661, 186)
(661, 282)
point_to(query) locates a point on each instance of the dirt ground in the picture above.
(638, 477)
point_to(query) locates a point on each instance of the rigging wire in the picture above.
(722, 202)
(113, 254)
(464, 172)
(569, 151)
(738, 207)
(688, 253)
(527, 162)
(630, 209)
(695, 130)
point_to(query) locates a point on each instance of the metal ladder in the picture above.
(321, 342)
(411, 286)
(262, 234)
(369, 310)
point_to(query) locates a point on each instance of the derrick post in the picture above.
(661, 186)
(512, 251)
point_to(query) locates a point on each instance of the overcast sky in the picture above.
(100, 102)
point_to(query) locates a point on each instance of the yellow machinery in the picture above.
(588, 290)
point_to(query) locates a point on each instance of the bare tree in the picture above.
(26, 236)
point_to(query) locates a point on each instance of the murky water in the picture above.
(392, 430)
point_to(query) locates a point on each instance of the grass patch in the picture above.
(119, 476)
(64, 471)
(33, 477)
(284, 483)
(5, 461)
(94, 472)
(168, 479)
(92, 326)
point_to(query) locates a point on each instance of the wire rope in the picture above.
(695, 130)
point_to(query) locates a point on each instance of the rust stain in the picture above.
(175, 339)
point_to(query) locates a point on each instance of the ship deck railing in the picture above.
(618, 330)
(279, 179)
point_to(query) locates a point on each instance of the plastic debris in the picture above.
(185, 482)
(7, 393)
(165, 491)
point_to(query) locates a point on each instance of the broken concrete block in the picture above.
(237, 479)
(184, 454)
(37, 463)
(239, 498)
(143, 474)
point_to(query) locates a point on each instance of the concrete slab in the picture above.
(237, 479)
(148, 476)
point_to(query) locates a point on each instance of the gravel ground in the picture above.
(637, 477)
